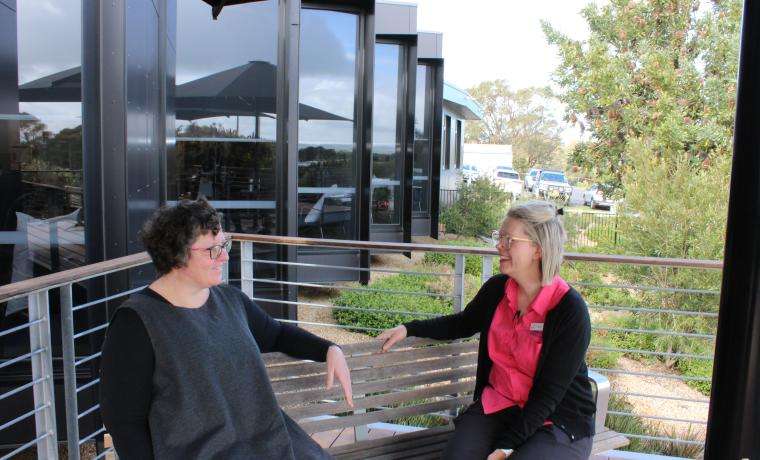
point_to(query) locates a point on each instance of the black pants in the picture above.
(475, 434)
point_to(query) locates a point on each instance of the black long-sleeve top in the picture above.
(128, 366)
(561, 391)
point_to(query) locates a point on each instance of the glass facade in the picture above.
(423, 139)
(387, 134)
(327, 150)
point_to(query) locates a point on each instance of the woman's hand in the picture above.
(389, 337)
(499, 454)
(337, 367)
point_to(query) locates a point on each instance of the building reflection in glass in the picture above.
(327, 174)
(423, 140)
(387, 134)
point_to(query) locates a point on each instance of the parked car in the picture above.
(553, 185)
(470, 173)
(509, 180)
(530, 178)
(597, 197)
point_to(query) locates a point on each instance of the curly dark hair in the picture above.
(171, 230)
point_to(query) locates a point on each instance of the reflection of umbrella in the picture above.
(246, 90)
(65, 86)
(217, 5)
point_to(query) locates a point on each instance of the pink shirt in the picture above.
(514, 344)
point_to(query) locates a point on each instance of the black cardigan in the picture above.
(561, 391)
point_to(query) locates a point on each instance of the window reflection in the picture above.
(387, 158)
(423, 119)
(225, 102)
(327, 150)
(41, 196)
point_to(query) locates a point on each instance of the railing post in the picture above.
(226, 272)
(42, 368)
(487, 268)
(459, 283)
(246, 267)
(69, 372)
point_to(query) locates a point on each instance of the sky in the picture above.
(501, 39)
(490, 39)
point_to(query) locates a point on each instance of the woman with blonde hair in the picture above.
(532, 395)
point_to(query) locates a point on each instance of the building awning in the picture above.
(461, 104)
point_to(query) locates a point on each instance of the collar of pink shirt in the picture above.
(546, 299)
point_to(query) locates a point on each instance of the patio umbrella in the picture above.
(246, 90)
(65, 86)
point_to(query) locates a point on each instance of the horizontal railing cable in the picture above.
(339, 307)
(342, 267)
(346, 288)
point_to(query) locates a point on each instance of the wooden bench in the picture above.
(417, 377)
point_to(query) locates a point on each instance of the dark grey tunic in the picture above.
(211, 397)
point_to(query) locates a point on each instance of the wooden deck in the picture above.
(345, 436)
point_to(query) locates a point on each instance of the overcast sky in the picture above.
(500, 39)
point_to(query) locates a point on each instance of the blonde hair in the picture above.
(544, 227)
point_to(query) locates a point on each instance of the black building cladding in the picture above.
(291, 117)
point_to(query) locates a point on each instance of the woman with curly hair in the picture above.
(182, 374)
(532, 396)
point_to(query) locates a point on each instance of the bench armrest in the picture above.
(600, 387)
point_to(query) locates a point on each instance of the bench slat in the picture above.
(336, 392)
(355, 349)
(369, 402)
(429, 444)
(374, 360)
(382, 415)
(394, 370)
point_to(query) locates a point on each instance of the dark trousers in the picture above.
(475, 434)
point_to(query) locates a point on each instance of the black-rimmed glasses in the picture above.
(216, 250)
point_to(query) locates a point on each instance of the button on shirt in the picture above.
(514, 345)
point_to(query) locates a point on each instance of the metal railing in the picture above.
(37, 292)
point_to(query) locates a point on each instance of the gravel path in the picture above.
(660, 407)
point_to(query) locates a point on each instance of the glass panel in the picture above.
(447, 141)
(41, 180)
(225, 102)
(458, 144)
(422, 139)
(387, 157)
(327, 174)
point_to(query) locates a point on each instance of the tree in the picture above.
(521, 118)
(657, 71)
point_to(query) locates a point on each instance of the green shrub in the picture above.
(473, 264)
(390, 302)
(480, 209)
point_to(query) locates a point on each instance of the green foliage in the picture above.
(473, 265)
(651, 71)
(521, 118)
(480, 209)
(389, 303)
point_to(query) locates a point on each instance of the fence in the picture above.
(588, 229)
(448, 198)
(461, 279)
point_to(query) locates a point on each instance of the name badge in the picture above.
(536, 327)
